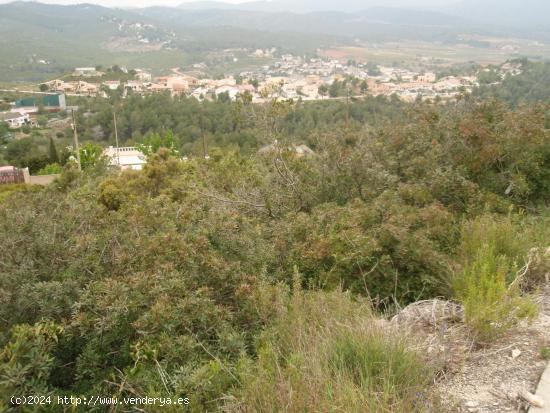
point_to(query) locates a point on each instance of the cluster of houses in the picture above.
(307, 86)
(288, 77)
(409, 86)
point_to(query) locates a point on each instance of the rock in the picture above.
(471, 404)
(531, 398)
(516, 353)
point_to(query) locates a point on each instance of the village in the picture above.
(287, 77)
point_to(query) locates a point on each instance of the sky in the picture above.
(145, 3)
(125, 3)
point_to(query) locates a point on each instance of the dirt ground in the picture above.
(473, 378)
(490, 378)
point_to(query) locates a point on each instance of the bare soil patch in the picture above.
(474, 378)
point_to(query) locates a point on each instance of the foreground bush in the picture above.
(491, 304)
(173, 280)
(493, 251)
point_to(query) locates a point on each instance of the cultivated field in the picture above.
(481, 50)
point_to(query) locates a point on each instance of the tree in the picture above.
(488, 76)
(17, 150)
(4, 128)
(52, 150)
(44, 87)
(154, 141)
(224, 97)
(42, 121)
(335, 88)
(373, 69)
(90, 155)
(323, 90)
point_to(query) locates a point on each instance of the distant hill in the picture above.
(516, 13)
(307, 6)
(209, 5)
(39, 41)
(414, 17)
(379, 23)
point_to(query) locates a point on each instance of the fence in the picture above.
(14, 176)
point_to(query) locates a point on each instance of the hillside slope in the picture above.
(63, 37)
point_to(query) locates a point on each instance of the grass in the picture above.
(379, 368)
(8, 189)
(326, 353)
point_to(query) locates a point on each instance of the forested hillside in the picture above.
(532, 85)
(250, 281)
(42, 41)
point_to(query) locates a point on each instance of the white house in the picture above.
(143, 75)
(134, 85)
(112, 84)
(200, 93)
(232, 91)
(86, 71)
(125, 157)
(15, 119)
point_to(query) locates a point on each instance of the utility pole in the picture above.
(347, 106)
(116, 139)
(75, 138)
(204, 145)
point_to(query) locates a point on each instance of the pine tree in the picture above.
(54, 157)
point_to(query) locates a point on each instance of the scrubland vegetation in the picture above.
(254, 282)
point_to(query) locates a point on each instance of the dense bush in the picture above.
(175, 280)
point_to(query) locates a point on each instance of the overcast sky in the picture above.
(145, 3)
(125, 3)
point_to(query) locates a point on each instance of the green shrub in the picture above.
(26, 361)
(50, 169)
(507, 236)
(494, 251)
(491, 303)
